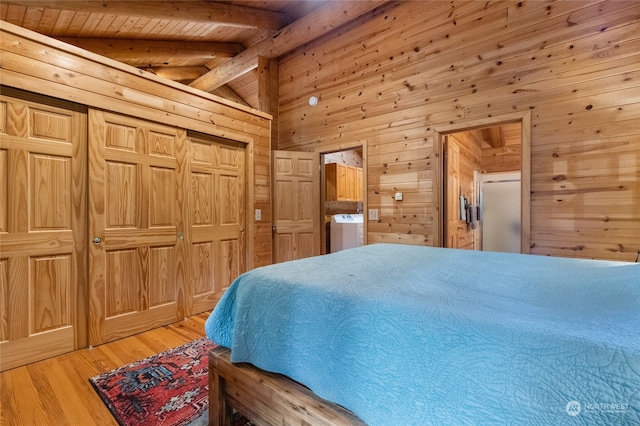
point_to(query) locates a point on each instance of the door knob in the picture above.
(96, 241)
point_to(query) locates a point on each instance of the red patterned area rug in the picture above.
(167, 389)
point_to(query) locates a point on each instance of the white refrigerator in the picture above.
(500, 212)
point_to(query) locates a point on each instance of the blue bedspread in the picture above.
(408, 335)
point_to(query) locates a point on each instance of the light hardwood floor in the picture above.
(57, 391)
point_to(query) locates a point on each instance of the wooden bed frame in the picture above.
(266, 398)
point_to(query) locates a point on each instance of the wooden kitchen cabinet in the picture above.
(343, 182)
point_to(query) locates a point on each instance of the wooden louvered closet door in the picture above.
(136, 223)
(42, 227)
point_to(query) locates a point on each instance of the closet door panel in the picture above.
(136, 219)
(123, 282)
(217, 215)
(4, 182)
(203, 268)
(162, 197)
(121, 195)
(4, 305)
(162, 270)
(42, 231)
(51, 282)
(230, 257)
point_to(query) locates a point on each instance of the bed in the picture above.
(399, 334)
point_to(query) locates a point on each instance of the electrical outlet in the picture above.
(398, 196)
(258, 215)
(373, 214)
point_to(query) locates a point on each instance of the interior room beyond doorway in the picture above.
(481, 179)
(343, 198)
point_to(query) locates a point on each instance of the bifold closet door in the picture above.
(136, 225)
(42, 227)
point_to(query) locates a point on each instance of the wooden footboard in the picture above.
(265, 398)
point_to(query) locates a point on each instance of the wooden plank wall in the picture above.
(36, 63)
(393, 77)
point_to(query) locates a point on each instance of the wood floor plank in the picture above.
(57, 391)
(17, 391)
(77, 389)
(37, 395)
(64, 401)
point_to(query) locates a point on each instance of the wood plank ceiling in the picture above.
(500, 136)
(210, 45)
(185, 40)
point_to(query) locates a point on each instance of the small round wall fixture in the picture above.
(313, 101)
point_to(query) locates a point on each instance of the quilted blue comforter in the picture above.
(408, 335)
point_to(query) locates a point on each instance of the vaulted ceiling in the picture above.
(211, 45)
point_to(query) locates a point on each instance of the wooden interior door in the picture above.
(136, 223)
(296, 207)
(452, 192)
(42, 228)
(217, 218)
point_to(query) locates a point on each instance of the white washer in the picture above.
(346, 231)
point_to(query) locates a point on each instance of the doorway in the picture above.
(300, 190)
(484, 166)
(343, 184)
(349, 154)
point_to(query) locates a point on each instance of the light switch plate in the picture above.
(398, 196)
(373, 214)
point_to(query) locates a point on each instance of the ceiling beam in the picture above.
(178, 73)
(155, 52)
(493, 136)
(308, 28)
(228, 93)
(193, 11)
